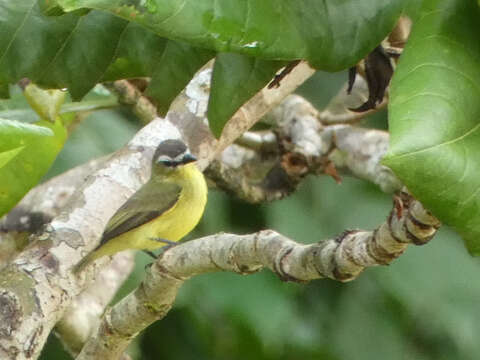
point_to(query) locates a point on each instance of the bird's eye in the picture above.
(168, 163)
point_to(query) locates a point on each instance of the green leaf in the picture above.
(4, 91)
(26, 153)
(46, 103)
(435, 115)
(28, 40)
(137, 54)
(175, 68)
(66, 51)
(78, 50)
(17, 106)
(50, 8)
(330, 34)
(16, 134)
(235, 79)
(85, 55)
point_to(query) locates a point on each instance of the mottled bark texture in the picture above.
(342, 258)
(269, 165)
(39, 290)
(38, 286)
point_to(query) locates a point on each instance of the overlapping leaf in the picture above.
(230, 82)
(26, 153)
(435, 115)
(179, 72)
(330, 34)
(79, 49)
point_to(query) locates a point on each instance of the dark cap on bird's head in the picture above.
(172, 153)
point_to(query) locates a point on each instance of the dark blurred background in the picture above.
(423, 306)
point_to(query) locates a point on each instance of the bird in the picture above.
(162, 211)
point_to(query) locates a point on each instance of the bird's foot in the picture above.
(169, 245)
(164, 241)
(151, 254)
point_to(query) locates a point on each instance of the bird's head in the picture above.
(171, 155)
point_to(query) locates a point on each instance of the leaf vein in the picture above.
(14, 36)
(61, 48)
(450, 142)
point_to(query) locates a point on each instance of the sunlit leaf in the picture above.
(26, 153)
(435, 115)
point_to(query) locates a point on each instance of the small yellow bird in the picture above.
(163, 210)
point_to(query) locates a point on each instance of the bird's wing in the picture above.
(149, 202)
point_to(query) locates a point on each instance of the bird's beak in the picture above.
(188, 158)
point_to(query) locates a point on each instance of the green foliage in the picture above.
(17, 107)
(26, 153)
(417, 308)
(4, 91)
(46, 103)
(81, 48)
(235, 78)
(331, 35)
(434, 115)
(175, 68)
(29, 147)
(78, 50)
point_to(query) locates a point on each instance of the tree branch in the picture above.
(342, 258)
(83, 314)
(39, 207)
(39, 286)
(129, 94)
(270, 166)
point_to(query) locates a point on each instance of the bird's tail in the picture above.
(87, 260)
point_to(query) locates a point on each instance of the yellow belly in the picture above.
(172, 225)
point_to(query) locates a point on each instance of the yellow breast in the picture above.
(173, 224)
(186, 213)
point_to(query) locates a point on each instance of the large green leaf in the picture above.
(83, 58)
(28, 40)
(330, 34)
(79, 49)
(435, 115)
(235, 79)
(136, 55)
(174, 69)
(26, 153)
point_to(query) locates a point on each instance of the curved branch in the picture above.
(267, 167)
(83, 314)
(39, 286)
(342, 258)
